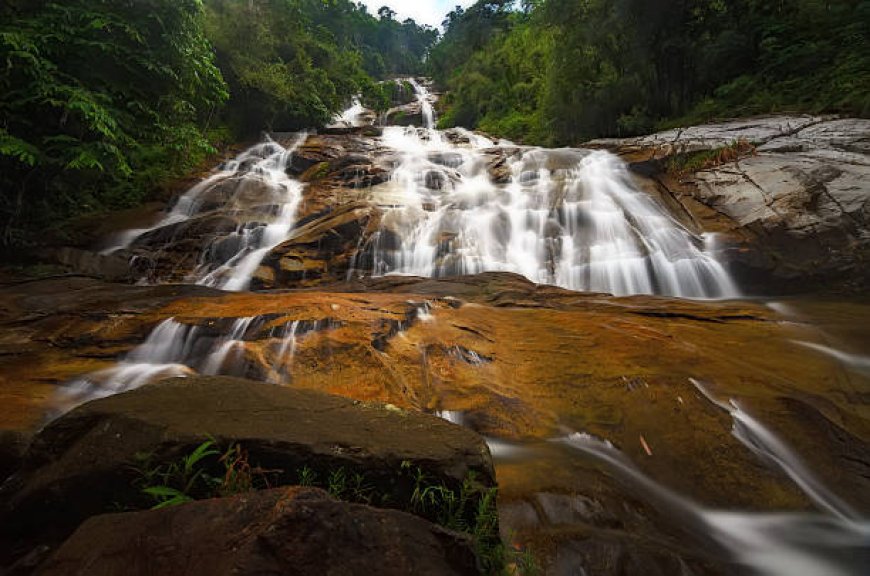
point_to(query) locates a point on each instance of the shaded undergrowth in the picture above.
(211, 472)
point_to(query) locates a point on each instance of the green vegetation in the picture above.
(99, 101)
(562, 71)
(204, 473)
(689, 163)
(209, 473)
(292, 64)
(103, 102)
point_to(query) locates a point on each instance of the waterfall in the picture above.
(569, 217)
(253, 188)
(425, 100)
(457, 204)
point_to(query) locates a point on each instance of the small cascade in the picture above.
(277, 199)
(253, 189)
(770, 448)
(288, 339)
(162, 355)
(567, 217)
(350, 118)
(425, 100)
(767, 544)
(174, 349)
(230, 351)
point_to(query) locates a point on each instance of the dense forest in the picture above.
(101, 101)
(561, 71)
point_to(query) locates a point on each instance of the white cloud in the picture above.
(431, 12)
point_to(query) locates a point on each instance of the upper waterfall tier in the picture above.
(428, 203)
(568, 217)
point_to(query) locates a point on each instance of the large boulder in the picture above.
(298, 531)
(83, 463)
(320, 250)
(405, 115)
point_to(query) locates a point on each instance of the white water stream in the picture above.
(174, 349)
(765, 544)
(569, 217)
(254, 188)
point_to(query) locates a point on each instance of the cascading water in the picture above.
(351, 116)
(567, 217)
(255, 189)
(775, 544)
(425, 100)
(764, 443)
(277, 198)
(174, 349)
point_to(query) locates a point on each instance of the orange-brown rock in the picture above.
(520, 361)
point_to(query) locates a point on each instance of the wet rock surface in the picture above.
(798, 206)
(283, 531)
(511, 359)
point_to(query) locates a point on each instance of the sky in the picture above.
(430, 12)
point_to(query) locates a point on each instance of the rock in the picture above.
(405, 115)
(13, 445)
(110, 267)
(661, 145)
(800, 203)
(321, 249)
(299, 531)
(83, 463)
(370, 131)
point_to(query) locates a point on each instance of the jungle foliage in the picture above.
(561, 71)
(103, 101)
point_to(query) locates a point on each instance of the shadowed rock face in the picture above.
(83, 463)
(283, 531)
(798, 208)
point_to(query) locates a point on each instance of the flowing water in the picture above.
(570, 217)
(425, 100)
(255, 189)
(351, 117)
(174, 349)
(778, 544)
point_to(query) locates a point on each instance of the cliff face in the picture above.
(791, 194)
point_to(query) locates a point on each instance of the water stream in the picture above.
(572, 218)
(773, 544)
(252, 188)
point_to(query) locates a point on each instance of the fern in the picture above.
(17, 149)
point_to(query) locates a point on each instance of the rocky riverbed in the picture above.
(636, 434)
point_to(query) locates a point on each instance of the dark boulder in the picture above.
(84, 463)
(299, 531)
